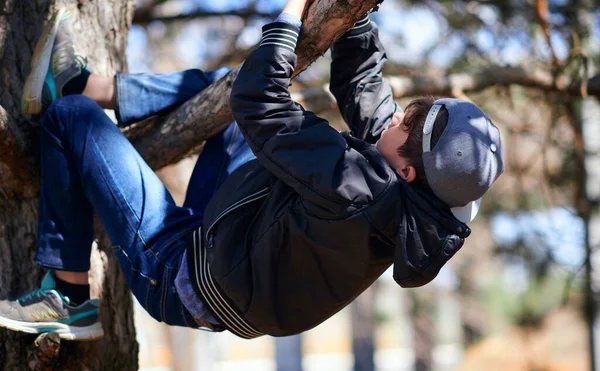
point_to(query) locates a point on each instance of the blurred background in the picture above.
(520, 294)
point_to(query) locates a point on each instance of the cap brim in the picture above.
(468, 212)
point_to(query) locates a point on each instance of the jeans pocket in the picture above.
(164, 251)
(165, 288)
(149, 301)
(162, 302)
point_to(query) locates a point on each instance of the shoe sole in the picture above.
(87, 333)
(31, 100)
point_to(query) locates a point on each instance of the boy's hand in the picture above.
(296, 7)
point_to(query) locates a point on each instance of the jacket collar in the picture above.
(425, 201)
(429, 203)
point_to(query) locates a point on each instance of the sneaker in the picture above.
(47, 310)
(53, 65)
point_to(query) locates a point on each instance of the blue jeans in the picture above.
(89, 165)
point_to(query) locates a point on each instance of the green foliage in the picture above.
(526, 309)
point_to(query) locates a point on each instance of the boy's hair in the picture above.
(414, 120)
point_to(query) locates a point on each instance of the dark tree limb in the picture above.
(167, 139)
(157, 13)
(493, 76)
(319, 98)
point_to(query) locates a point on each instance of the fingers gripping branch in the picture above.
(324, 21)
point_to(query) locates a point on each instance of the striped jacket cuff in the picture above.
(362, 25)
(280, 34)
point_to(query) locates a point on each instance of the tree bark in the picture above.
(101, 28)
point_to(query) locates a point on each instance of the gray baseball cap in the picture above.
(467, 158)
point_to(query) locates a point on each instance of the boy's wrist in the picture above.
(289, 19)
(295, 8)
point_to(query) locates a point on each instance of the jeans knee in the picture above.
(72, 109)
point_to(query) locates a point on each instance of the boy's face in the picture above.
(392, 138)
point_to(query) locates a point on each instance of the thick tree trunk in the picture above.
(591, 215)
(101, 29)
(587, 195)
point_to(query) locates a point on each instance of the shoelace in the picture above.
(81, 61)
(63, 59)
(28, 297)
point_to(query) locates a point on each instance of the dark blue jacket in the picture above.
(294, 236)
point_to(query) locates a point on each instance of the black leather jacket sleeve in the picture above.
(295, 145)
(365, 100)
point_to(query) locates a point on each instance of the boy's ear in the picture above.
(408, 173)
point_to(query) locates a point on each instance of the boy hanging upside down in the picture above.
(286, 220)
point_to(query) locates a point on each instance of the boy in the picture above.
(286, 220)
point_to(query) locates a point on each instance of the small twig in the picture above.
(569, 281)
(542, 12)
(585, 73)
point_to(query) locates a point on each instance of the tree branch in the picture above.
(167, 139)
(543, 14)
(493, 76)
(161, 13)
(410, 86)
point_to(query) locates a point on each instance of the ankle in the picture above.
(77, 293)
(77, 84)
(76, 278)
(103, 90)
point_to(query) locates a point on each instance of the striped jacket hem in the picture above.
(211, 295)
